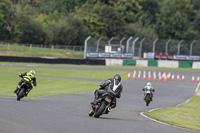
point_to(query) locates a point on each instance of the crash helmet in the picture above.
(32, 71)
(149, 84)
(117, 77)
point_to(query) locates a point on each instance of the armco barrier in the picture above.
(168, 64)
(52, 60)
(185, 64)
(196, 65)
(114, 62)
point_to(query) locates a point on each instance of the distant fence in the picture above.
(39, 47)
(138, 46)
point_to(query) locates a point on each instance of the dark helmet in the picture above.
(117, 77)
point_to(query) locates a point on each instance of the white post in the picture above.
(98, 44)
(121, 41)
(166, 47)
(133, 46)
(179, 46)
(85, 48)
(191, 45)
(110, 40)
(154, 43)
(127, 43)
(141, 46)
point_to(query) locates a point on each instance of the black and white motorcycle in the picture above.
(148, 95)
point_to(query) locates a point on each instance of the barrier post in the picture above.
(52, 47)
(30, 48)
(8, 46)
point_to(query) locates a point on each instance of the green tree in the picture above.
(138, 30)
(102, 20)
(66, 31)
(129, 9)
(147, 15)
(63, 6)
(176, 20)
(33, 3)
(7, 16)
(28, 30)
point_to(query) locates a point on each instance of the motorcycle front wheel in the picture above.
(20, 94)
(147, 99)
(100, 110)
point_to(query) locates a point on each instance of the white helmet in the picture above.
(32, 71)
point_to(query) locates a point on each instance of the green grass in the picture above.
(88, 74)
(47, 86)
(20, 50)
(187, 115)
(52, 86)
(100, 66)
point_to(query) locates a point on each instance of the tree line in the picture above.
(70, 22)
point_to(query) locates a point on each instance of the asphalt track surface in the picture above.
(69, 113)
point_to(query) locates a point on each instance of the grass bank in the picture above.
(187, 115)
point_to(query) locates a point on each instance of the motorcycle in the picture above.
(22, 91)
(148, 95)
(102, 106)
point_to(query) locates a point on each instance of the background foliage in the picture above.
(69, 22)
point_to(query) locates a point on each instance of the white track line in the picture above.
(197, 87)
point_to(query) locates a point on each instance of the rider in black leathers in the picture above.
(112, 86)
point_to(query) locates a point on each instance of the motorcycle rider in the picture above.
(149, 87)
(28, 77)
(112, 86)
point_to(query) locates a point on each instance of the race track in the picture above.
(69, 113)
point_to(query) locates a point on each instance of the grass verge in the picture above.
(187, 115)
(47, 86)
(98, 66)
(52, 86)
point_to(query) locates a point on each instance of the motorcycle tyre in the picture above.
(100, 110)
(20, 94)
(147, 99)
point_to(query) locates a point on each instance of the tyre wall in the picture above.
(51, 60)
